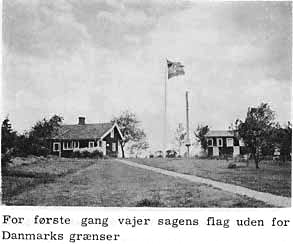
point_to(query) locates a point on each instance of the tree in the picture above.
(257, 129)
(41, 132)
(8, 136)
(200, 133)
(129, 127)
(282, 138)
(45, 128)
(180, 134)
(138, 147)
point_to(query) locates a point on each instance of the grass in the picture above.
(111, 184)
(26, 173)
(272, 177)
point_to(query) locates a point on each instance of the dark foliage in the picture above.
(200, 133)
(171, 154)
(149, 203)
(257, 131)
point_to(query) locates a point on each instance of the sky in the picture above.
(101, 57)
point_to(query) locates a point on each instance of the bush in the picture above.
(96, 154)
(5, 161)
(232, 166)
(87, 153)
(149, 203)
(25, 146)
(76, 154)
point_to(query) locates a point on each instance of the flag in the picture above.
(174, 69)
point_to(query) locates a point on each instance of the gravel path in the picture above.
(275, 200)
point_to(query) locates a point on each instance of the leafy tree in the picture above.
(45, 128)
(282, 138)
(256, 131)
(129, 126)
(180, 134)
(8, 138)
(138, 147)
(200, 133)
(41, 132)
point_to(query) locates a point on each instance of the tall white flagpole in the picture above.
(165, 109)
(187, 143)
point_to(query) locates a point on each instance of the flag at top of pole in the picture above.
(174, 69)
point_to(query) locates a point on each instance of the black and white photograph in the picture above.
(146, 104)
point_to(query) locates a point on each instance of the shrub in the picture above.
(76, 154)
(149, 203)
(87, 153)
(232, 166)
(97, 154)
(5, 161)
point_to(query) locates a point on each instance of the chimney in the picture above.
(81, 120)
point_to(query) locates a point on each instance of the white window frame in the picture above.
(75, 144)
(113, 146)
(100, 143)
(91, 143)
(230, 139)
(112, 133)
(210, 139)
(67, 145)
(218, 142)
(59, 145)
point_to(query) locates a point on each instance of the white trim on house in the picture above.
(113, 147)
(91, 144)
(218, 142)
(230, 142)
(59, 146)
(100, 143)
(75, 144)
(107, 132)
(67, 145)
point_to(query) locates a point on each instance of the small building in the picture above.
(103, 136)
(224, 143)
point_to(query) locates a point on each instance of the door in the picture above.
(57, 148)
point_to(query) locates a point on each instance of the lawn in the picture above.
(112, 184)
(26, 173)
(272, 177)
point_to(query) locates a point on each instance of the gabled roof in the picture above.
(220, 133)
(86, 131)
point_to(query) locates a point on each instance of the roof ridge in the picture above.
(90, 123)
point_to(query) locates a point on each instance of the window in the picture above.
(91, 144)
(100, 143)
(220, 142)
(210, 142)
(114, 147)
(230, 142)
(56, 146)
(67, 145)
(76, 144)
(112, 133)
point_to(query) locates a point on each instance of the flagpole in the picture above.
(165, 111)
(187, 143)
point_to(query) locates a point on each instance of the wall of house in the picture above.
(224, 150)
(109, 142)
(68, 152)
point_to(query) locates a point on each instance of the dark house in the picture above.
(101, 136)
(224, 143)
